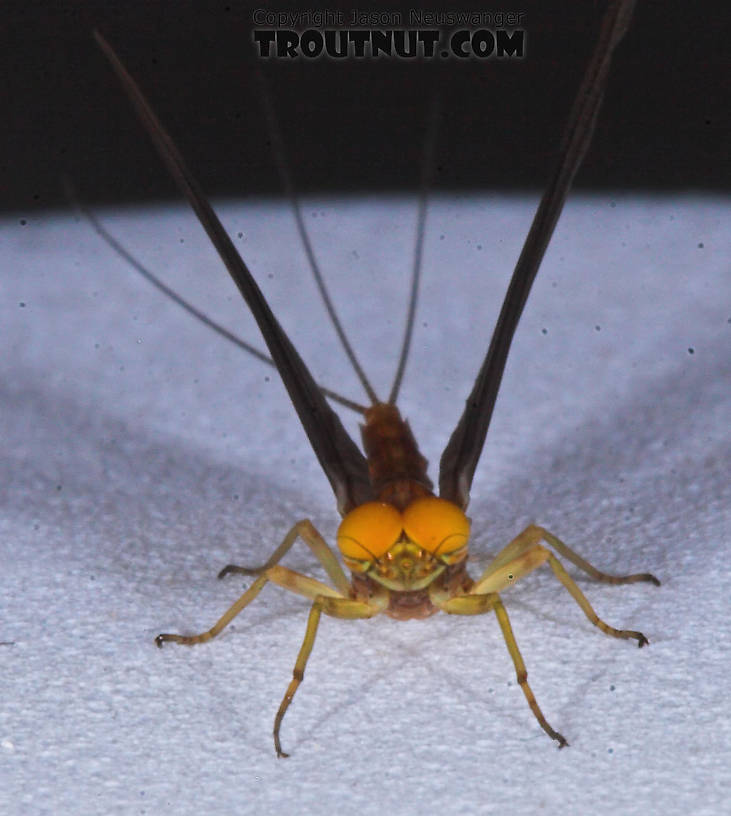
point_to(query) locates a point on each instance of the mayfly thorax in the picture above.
(406, 549)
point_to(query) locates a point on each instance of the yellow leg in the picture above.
(336, 608)
(582, 601)
(289, 579)
(478, 605)
(308, 533)
(576, 559)
(533, 534)
(523, 555)
(325, 599)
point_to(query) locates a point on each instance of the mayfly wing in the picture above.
(460, 457)
(178, 299)
(280, 159)
(341, 460)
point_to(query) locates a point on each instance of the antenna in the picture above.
(280, 158)
(202, 317)
(427, 165)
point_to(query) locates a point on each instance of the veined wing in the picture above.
(343, 463)
(460, 457)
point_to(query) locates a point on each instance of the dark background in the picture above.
(352, 126)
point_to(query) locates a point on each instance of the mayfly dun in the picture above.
(406, 549)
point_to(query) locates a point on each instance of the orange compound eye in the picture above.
(437, 525)
(369, 530)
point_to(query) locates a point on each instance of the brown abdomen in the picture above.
(397, 469)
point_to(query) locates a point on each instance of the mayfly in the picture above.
(406, 549)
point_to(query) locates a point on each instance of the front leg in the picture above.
(337, 608)
(474, 604)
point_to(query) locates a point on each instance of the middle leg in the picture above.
(307, 531)
(522, 556)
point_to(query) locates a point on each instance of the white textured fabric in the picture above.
(141, 453)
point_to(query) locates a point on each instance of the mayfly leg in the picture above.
(525, 554)
(307, 532)
(343, 608)
(480, 603)
(390, 526)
